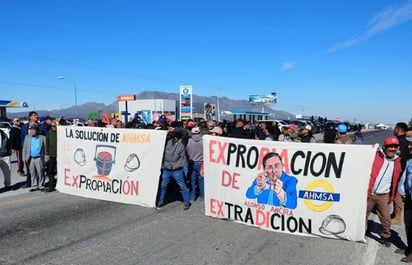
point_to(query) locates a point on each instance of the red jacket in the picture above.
(376, 167)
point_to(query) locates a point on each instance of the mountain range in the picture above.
(225, 104)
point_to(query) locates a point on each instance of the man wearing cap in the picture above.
(342, 138)
(45, 124)
(189, 125)
(217, 131)
(34, 151)
(284, 134)
(306, 135)
(405, 190)
(294, 133)
(383, 184)
(194, 150)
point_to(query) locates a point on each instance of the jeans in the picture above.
(197, 179)
(177, 175)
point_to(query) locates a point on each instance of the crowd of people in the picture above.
(35, 146)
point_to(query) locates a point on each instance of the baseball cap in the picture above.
(391, 140)
(308, 127)
(34, 127)
(195, 130)
(342, 128)
(217, 130)
(292, 126)
(190, 124)
(161, 120)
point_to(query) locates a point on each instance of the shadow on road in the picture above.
(373, 233)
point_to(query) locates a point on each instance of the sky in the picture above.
(344, 59)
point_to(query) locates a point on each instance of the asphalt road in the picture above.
(55, 228)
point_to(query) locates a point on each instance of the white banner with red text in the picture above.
(121, 165)
(311, 189)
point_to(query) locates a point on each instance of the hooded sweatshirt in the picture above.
(194, 148)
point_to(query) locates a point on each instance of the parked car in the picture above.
(6, 127)
(299, 124)
(280, 123)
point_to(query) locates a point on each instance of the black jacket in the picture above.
(15, 138)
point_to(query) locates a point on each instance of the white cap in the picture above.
(195, 130)
(308, 127)
(217, 130)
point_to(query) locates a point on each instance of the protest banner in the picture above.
(298, 188)
(121, 165)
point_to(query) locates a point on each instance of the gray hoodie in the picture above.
(194, 148)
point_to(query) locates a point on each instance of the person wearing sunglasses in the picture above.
(17, 145)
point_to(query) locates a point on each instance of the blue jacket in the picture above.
(268, 196)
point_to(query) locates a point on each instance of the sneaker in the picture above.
(48, 189)
(385, 242)
(400, 251)
(186, 207)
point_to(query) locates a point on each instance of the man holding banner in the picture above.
(174, 159)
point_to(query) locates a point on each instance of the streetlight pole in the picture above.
(75, 101)
(75, 96)
(218, 104)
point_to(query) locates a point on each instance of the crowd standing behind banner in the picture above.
(192, 174)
